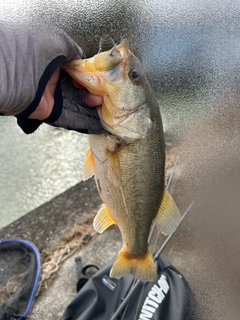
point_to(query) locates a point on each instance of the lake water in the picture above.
(35, 168)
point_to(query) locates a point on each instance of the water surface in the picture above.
(35, 168)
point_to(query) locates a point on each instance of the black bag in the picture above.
(166, 298)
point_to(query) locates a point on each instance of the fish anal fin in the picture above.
(88, 168)
(141, 267)
(103, 219)
(168, 216)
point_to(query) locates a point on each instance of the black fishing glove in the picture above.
(29, 56)
(74, 114)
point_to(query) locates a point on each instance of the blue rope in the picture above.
(38, 259)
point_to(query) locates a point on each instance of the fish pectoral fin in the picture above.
(88, 168)
(103, 219)
(168, 216)
(141, 267)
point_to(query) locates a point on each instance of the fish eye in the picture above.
(135, 76)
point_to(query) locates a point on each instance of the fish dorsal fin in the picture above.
(105, 43)
(103, 219)
(168, 216)
(88, 168)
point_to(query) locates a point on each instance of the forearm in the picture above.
(27, 65)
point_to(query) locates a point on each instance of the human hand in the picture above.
(78, 112)
(30, 59)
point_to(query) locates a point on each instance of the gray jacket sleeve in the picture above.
(28, 57)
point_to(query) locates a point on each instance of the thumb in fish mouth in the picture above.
(91, 100)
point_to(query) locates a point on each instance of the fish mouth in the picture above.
(94, 72)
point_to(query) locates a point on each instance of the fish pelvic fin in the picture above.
(103, 219)
(168, 216)
(88, 168)
(141, 267)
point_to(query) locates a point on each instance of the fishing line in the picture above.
(171, 183)
(125, 301)
(127, 307)
(155, 242)
(129, 295)
(139, 300)
(151, 232)
(170, 236)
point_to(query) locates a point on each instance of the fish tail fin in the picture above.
(141, 267)
(168, 216)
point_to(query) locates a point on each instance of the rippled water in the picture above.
(35, 168)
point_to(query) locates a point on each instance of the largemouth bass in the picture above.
(129, 162)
